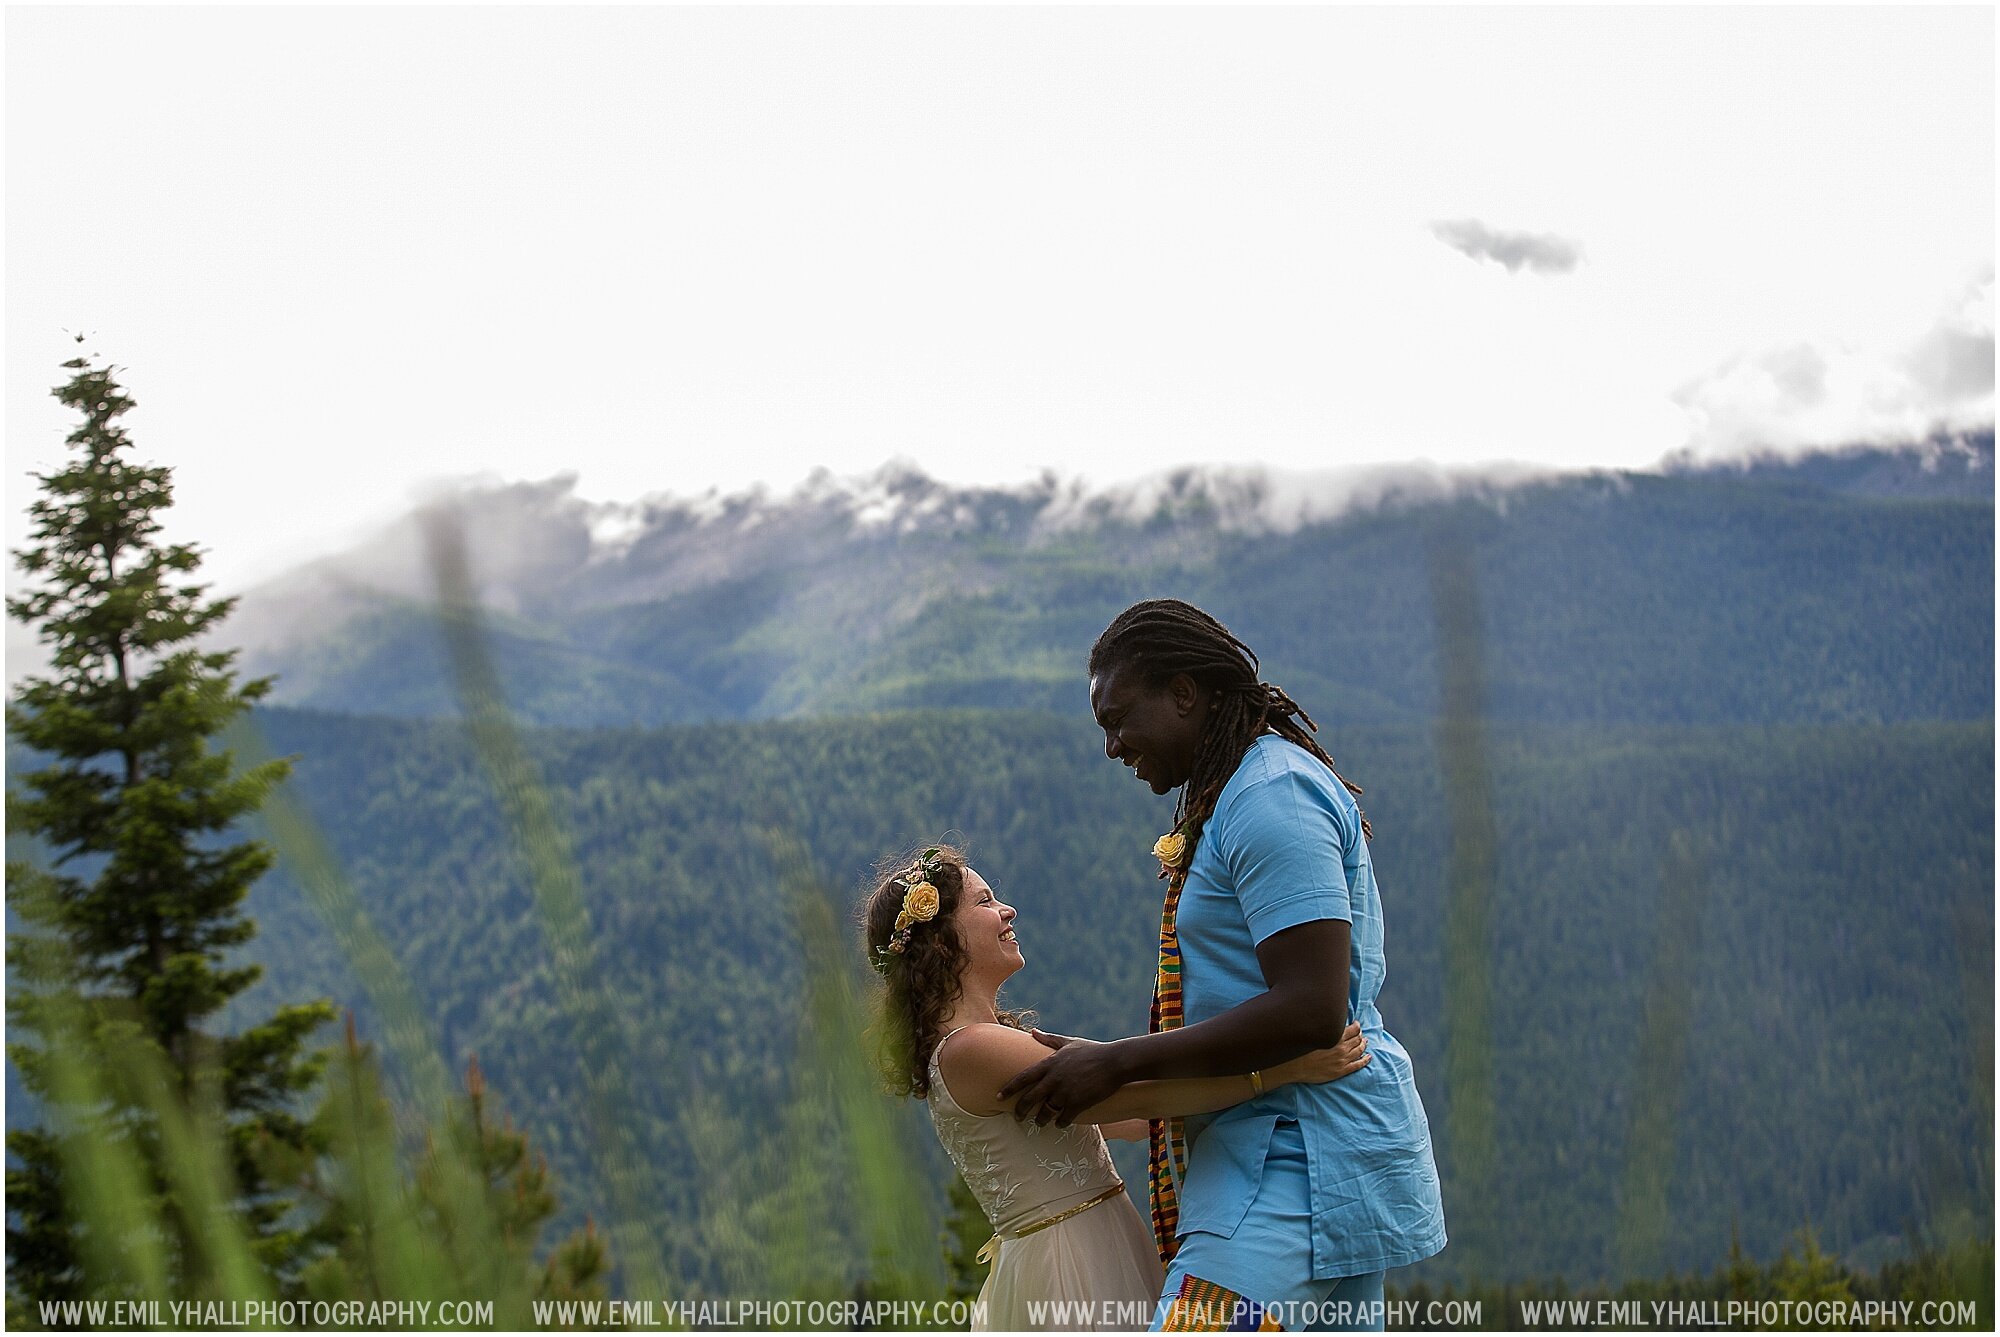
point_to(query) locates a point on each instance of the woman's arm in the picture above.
(1306, 969)
(984, 1058)
(1283, 846)
(1172, 1097)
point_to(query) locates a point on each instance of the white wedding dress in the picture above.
(1097, 1269)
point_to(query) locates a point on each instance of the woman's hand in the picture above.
(1326, 1065)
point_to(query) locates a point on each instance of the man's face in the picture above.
(1154, 730)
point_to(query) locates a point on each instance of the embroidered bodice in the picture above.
(1020, 1172)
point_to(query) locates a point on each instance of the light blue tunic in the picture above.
(1282, 848)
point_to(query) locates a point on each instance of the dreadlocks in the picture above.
(1162, 637)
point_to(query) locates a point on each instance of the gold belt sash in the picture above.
(990, 1251)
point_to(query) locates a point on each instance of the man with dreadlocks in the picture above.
(1286, 1210)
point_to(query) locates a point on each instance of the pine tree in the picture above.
(523, 1200)
(140, 904)
(966, 1231)
(1813, 1275)
(1740, 1275)
(407, 1235)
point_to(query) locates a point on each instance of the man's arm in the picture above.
(987, 1056)
(1304, 1007)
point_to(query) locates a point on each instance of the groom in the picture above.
(1286, 1210)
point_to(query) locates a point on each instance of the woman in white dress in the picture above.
(1072, 1250)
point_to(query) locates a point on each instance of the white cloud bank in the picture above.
(1814, 393)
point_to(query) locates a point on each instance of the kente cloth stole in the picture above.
(1166, 1140)
(1204, 1306)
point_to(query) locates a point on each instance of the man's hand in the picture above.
(1080, 1074)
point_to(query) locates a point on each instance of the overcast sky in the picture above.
(345, 251)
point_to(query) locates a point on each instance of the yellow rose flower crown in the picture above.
(920, 904)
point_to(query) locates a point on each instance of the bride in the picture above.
(1072, 1251)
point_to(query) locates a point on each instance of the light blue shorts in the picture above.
(1268, 1261)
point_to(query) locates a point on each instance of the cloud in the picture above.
(1953, 362)
(1256, 499)
(525, 542)
(1937, 382)
(535, 545)
(1543, 252)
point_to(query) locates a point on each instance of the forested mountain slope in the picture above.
(1852, 587)
(1784, 671)
(1836, 1017)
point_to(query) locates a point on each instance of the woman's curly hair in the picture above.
(921, 983)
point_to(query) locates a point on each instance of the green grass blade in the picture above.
(123, 1238)
(196, 1168)
(558, 894)
(472, 1233)
(1470, 872)
(892, 1201)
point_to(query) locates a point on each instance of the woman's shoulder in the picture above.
(981, 1057)
(986, 1037)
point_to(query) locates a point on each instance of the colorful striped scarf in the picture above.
(1166, 1141)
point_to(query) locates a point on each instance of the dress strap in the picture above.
(938, 1048)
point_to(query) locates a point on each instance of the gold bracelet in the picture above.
(1256, 1083)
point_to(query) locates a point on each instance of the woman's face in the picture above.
(985, 927)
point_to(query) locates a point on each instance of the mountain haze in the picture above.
(1851, 586)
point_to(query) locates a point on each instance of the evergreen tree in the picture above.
(141, 903)
(966, 1231)
(406, 1236)
(523, 1199)
(1740, 1274)
(1814, 1275)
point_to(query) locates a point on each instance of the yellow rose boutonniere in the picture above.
(1170, 849)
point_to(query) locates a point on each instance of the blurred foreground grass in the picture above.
(418, 1200)
(422, 1200)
